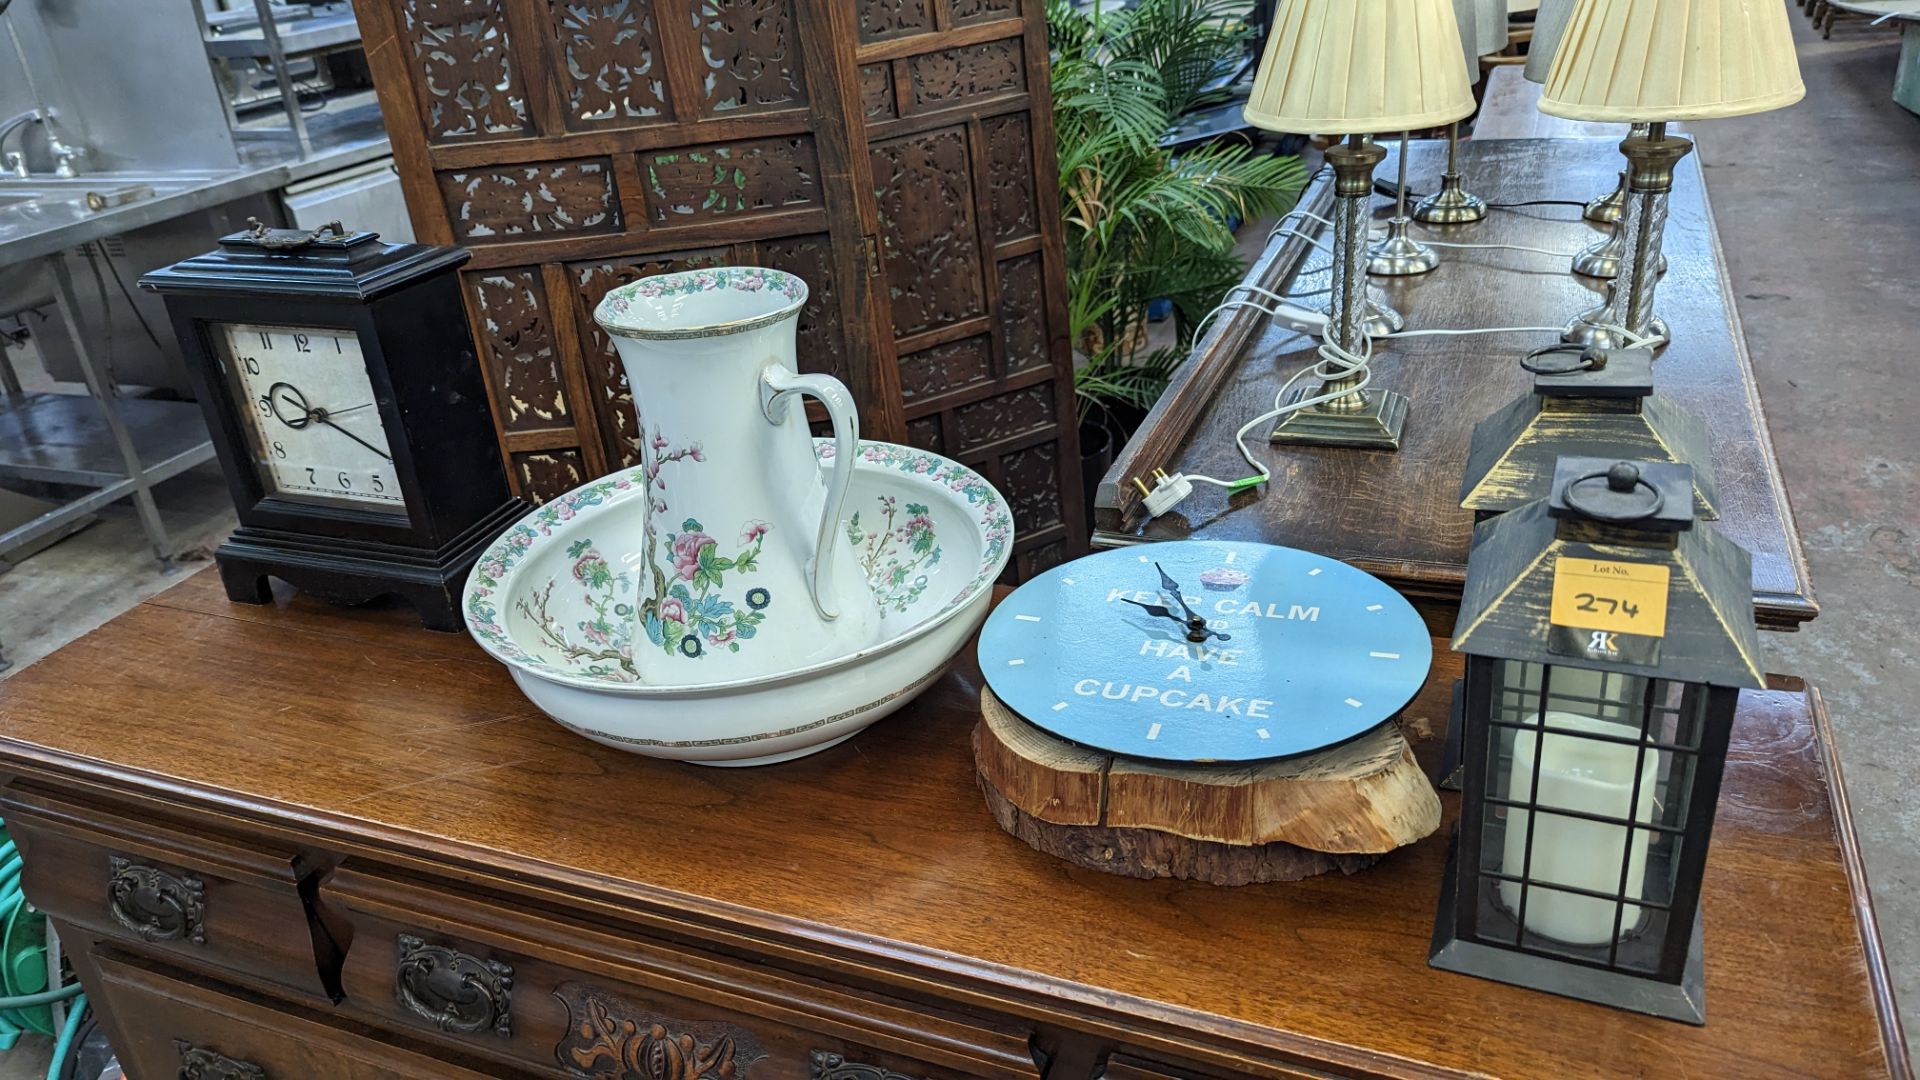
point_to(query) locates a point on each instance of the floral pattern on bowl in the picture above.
(896, 556)
(579, 623)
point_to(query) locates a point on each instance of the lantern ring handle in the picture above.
(1571, 494)
(1591, 359)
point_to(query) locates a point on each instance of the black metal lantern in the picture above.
(1585, 403)
(1607, 640)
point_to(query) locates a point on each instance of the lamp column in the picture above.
(1453, 204)
(1650, 164)
(1356, 417)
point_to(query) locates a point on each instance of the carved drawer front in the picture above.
(537, 991)
(211, 902)
(165, 1023)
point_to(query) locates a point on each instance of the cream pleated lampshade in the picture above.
(1342, 67)
(1659, 60)
(1549, 22)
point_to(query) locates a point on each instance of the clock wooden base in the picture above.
(357, 571)
(1338, 809)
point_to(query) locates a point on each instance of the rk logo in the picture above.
(1602, 642)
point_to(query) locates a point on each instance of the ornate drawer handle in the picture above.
(826, 1065)
(156, 905)
(199, 1063)
(453, 991)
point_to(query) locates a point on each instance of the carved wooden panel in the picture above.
(897, 155)
(610, 62)
(932, 254)
(973, 11)
(946, 368)
(544, 474)
(876, 92)
(1023, 317)
(610, 1036)
(468, 84)
(970, 71)
(517, 343)
(519, 202)
(1032, 479)
(743, 179)
(882, 19)
(1004, 417)
(1010, 177)
(925, 433)
(749, 56)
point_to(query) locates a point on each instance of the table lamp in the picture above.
(1652, 62)
(1353, 67)
(1601, 259)
(1548, 25)
(1483, 30)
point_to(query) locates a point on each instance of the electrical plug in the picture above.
(1167, 492)
(1170, 490)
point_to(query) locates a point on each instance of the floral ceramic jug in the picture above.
(744, 570)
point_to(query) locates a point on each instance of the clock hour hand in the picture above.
(1155, 609)
(1193, 622)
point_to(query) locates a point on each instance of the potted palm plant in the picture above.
(1144, 222)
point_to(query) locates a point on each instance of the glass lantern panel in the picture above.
(1565, 841)
(1602, 695)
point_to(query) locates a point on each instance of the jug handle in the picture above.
(777, 384)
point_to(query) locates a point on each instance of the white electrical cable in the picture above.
(1504, 247)
(1336, 363)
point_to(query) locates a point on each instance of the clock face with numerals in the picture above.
(1199, 651)
(313, 428)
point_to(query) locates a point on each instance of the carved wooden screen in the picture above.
(886, 151)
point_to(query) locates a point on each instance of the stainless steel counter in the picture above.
(43, 215)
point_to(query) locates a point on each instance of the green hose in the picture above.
(20, 931)
(67, 1032)
(44, 997)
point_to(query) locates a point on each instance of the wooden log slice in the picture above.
(1340, 808)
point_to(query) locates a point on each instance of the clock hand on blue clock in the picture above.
(288, 394)
(1197, 628)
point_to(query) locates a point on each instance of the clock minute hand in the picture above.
(1194, 623)
(322, 416)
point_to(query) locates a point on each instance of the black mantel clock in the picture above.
(339, 381)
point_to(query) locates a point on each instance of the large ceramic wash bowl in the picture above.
(552, 599)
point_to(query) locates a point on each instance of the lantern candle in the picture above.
(1587, 776)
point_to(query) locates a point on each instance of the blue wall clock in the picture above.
(1205, 651)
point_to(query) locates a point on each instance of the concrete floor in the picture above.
(1817, 210)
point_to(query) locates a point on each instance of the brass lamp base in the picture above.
(1400, 255)
(1374, 426)
(1453, 204)
(1608, 208)
(1589, 330)
(1378, 320)
(1603, 258)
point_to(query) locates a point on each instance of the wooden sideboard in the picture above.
(1397, 513)
(296, 841)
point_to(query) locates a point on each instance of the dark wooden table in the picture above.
(402, 774)
(1397, 514)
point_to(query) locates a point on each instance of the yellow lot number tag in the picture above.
(1622, 597)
